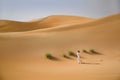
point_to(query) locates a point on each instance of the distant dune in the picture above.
(110, 21)
(23, 46)
(47, 22)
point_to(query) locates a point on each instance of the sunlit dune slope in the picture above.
(57, 20)
(101, 32)
(47, 22)
(105, 22)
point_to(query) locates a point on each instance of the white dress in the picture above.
(78, 57)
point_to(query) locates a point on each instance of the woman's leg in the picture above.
(78, 60)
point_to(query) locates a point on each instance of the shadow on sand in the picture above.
(73, 54)
(54, 58)
(93, 53)
(90, 63)
(67, 57)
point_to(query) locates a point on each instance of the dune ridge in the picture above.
(107, 21)
(47, 22)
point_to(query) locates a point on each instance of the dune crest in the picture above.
(102, 22)
(47, 22)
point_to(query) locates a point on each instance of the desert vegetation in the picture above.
(71, 53)
(49, 56)
(85, 50)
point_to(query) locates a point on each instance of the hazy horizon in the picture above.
(23, 10)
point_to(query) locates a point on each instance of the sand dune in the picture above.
(101, 32)
(22, 55)
(57, 20)
(103, 22)
(50, 21)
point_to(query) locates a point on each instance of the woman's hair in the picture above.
(78, 51)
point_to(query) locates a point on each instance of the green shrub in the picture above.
(84, 50)
(64, 55)
(70, 53)
(49, 56)
(92, 50)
